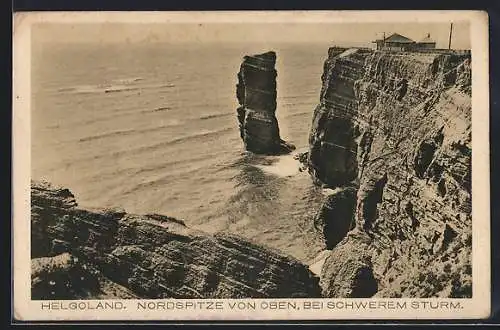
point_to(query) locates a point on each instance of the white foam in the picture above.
(286, 166)
(329, 191)
(127, 81)
(317, 263)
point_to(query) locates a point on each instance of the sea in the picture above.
(152, 128)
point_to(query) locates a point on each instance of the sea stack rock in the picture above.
(256, 93)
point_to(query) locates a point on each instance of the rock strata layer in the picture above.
(80, 254)
(256, 94)
(392, 136)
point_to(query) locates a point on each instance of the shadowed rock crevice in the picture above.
(336, 216)
(425, 153)
(369, 196)
(364, 283)
(256, 94)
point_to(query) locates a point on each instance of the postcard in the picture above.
(284, 165)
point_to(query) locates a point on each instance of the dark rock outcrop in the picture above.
(78, 254)
(256, 94)
(349, 272)
(397, 128)
(336, 216)
(332, 148)
(61, 277)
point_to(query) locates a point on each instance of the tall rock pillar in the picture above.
(256, 93)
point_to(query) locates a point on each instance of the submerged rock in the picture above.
(397, 128)
(256, 94)
(109, 253)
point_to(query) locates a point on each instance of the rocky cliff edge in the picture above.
(392, 136)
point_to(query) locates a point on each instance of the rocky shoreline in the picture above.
(391, 138)
(93, 254)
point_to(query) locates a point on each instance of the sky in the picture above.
(328, 33)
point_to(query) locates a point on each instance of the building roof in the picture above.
(395, 37)
(427, 39)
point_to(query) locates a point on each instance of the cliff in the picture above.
(92, 254)
(256, 94)
(392, 135)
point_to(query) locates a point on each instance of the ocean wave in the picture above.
(127, 81)
(157, 109)
(297, 114)
(132, 111)
(215, 115)
(202, 134)
(115, 86)
(129, 131)
(155, 146)
(97, 89)
(67, 89)
(182, 174)
(117, 89)
(108, 134)
(114, 173)
(122, 112)
(301, 96)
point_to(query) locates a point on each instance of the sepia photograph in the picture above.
(198, 160)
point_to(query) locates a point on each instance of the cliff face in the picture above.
(78, 254)
(393, 133)
(256, 94)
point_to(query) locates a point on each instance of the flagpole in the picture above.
(451, 31)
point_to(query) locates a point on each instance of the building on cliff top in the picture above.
(427, 43)
(397, 42)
